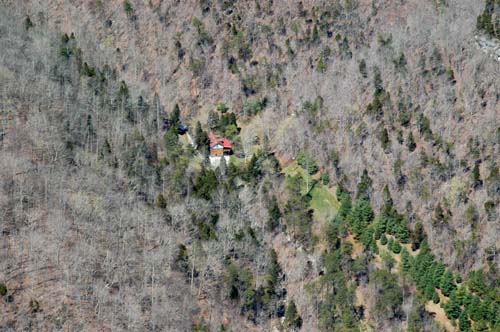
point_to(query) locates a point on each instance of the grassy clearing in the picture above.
(236, 160)
(324, 202)
(293, 169)
(196, 162)
(323, 199)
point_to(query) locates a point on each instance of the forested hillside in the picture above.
(361, 193)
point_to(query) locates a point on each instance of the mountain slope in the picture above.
(111, 221)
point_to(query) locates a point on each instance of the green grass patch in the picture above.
(238, 162)
(196, 162)
(324, 202)
(293, 169)
(308, 181)
(323, 199)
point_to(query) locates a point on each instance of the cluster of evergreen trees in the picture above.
(338, 310)
(255, 301)
(474, 303)
(489, 19)
(464, 300)
(223, 121)
(297, 213)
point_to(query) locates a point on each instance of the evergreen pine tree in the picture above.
(182, 259)
(364, 188)
(417, 236)
(390, 243)
(476, 177)
(274, 214)
(410, 142)
(463, 322)
(292, 317)
(175, 117)
(362, 68)
(396, 247)
(386, 196)
(360, 216)
(429, 290)
(436, 271)
(28, 23)
(435, 297)
(405, 264)
(447, 284)
(273, 271)
(452, 307)
(345, 203)
(332, 233)
(461, 295)
(475, 308)
(253, 170)
(401, 230)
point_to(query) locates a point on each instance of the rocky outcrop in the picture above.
(489, 45)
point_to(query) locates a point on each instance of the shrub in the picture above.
(34, 305)
(28, 23)
(493, 182)
(400, 62)
(3, 289)
(321, 65)
(424, 126)
(489, 207)
(127, 6)
(325, 178)
(471, 214)
(161, 202)
(197, 66)
(221, 107)
(476, 177)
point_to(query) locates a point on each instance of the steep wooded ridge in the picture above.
(363, 192)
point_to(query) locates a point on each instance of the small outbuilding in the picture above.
(182, 129)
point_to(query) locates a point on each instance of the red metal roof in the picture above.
(217, 139)
(226, 143)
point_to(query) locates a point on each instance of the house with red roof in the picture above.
(219, 146)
